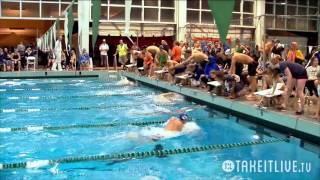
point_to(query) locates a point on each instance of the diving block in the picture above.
(131, 65)
(214, 83)
(184, 77)
(160, 71)
(268, 92)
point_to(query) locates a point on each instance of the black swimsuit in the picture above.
(297, 70)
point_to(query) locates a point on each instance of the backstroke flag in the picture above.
(127, 16)
(96, 14)
(222, 13)
(70, 23)
(58, 27)
(66, 33)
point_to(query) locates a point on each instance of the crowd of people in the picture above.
(15, 59)
(238, 72)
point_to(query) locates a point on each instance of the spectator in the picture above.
(294, 54)
(3, 60)
(296, 76)
(16, 60)
(278, 48)
(165, 46)
(84, 60)
(122, 51)
(148, 62)
(73, 59)
(104, 48)
(51, 58)
(312, 76)
(162, 57)
(176, 52)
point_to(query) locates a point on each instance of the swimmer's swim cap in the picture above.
(184, 117)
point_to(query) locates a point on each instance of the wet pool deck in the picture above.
(299, 126)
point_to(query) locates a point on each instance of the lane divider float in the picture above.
(135, 155)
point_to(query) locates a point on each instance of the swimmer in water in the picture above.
(176, 124)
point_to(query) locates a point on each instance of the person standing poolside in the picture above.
(104, 48)
(312, 71)
(162, 57)
(296, 77)
(58, 55)
(122, 51)
(176, 52)
(294, 54)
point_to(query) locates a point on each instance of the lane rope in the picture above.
(104, 87)
(83, 108)
(107, 125)
(33, 97)
(135, 155)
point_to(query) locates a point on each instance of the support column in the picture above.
(181, 19)
(84, 10)
(260, 22)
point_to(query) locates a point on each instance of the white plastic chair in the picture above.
(31, 60)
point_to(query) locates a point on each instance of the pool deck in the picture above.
(299, 126)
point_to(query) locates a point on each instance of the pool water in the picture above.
(101, 101)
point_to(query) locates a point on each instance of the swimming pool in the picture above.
(93, 117)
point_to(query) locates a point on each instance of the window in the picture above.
(151, 3)
(50, 10)
(302, 24)
(151, 14)
(166, 3)
(104, 12)
(247, 20)
(10, 9)
(136, 2)
(135, 14)
(280, 22)
(116, 1)
(291, 23)
(193, 16)
(269, 21)
(291, 10)
(205, 4)
(248, 6)
(269, 8)
(313, 25)
(235, 19)
(117, 13)
(192, 4)
(237, 6)
(269, 1)
(292, 1)
(206, 17)
(279, 10)
(63, 8)
(167, 15)
(313, 3)
(30, 10)
(312, 11)
(302, 2)
(302, 11)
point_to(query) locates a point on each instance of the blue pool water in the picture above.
(100, 106)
